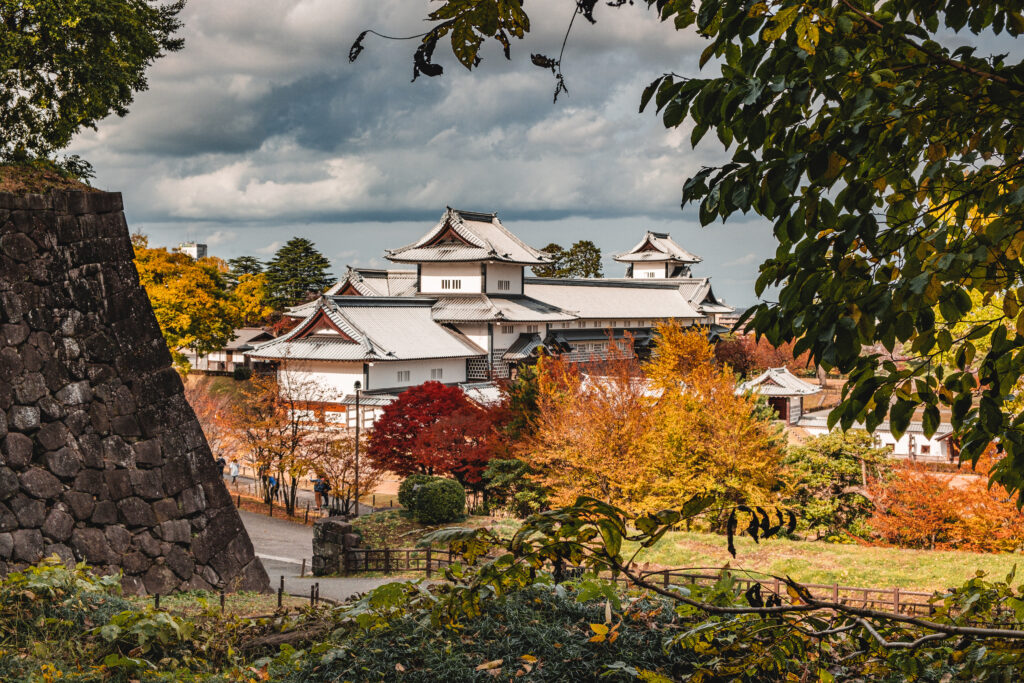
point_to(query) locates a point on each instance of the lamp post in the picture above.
(358, 386)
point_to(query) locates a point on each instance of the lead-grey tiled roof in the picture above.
(819, 419)
(383, 329)
(778, 382)
(243, 338)
(667, 250)
(607, 299)
(490, 308)
(372, 282)
(487, 238)
(522, 347)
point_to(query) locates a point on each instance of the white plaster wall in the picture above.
(431, 275)
(384, 375)
(938, 448)
(320, 380)
(476, 333)
(505, 334)
(504, 271)
(643, 271)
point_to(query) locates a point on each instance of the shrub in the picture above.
(440, 501)
(407, 490)
(923, 509)
(241, 373)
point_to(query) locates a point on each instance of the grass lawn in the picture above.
(239, 604)
(826, 563)
(805, 561)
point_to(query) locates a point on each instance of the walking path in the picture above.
(282, 546)
(247, 486)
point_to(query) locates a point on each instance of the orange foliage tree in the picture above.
(649, 436)
(922, 509)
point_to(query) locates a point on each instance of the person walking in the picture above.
(233, 471)
(318, 489)
(274, 486)
(325, 491)
(222, 464)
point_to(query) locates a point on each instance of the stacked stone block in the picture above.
(333, 537)
(101, 457)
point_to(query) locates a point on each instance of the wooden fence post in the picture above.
(306, 519)
(156, 601)
(835, 593)
(280, 592)
(222, 602)
(387, 560)
(428, 562)
(896, 599)
(666, 578)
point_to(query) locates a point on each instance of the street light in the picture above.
(358, 386)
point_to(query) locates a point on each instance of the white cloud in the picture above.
(260, 126)
(746, 259)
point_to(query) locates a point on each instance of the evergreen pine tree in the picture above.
(298, 272)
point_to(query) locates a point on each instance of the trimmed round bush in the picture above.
(408, 488)
(241, 373)
(440, 501)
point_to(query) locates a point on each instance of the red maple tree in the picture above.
(395, 442)
(463, 442)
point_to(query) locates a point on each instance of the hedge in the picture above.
(440, 501)
(407, 490)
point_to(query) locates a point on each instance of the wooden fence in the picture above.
(429, 561)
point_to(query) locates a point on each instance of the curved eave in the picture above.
(489, 259)
(660, 258)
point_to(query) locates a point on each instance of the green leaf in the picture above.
(780, 23)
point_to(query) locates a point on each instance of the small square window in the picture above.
(504, 285)
(437, 373)
(403, 375)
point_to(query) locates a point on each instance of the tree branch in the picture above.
(874, 23)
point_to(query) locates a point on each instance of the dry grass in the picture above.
(26, 179)
(825, 563)
(237, 604)
(805, 561)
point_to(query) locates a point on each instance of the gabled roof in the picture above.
(463, 308)
(373, 282)
(483, 394)
(699, 293)
(247, 337)
(778, 382)
(369, 329)
(657, 246)
(467, 236)
(605, 299)
(523, 347)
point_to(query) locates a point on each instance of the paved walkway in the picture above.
(247, 486)
(282, 546)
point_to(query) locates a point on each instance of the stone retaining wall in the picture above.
(101, 457)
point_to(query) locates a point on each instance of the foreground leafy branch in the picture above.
(889, 159)
(590, 534)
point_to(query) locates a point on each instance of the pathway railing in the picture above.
(429, 561)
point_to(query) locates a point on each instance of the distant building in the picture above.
(468, 313)
(913, 445)
(783, 390)
(193, 249)
(232, 356)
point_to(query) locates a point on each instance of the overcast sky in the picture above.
(261, 130)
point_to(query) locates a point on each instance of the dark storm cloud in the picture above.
(260, 130)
